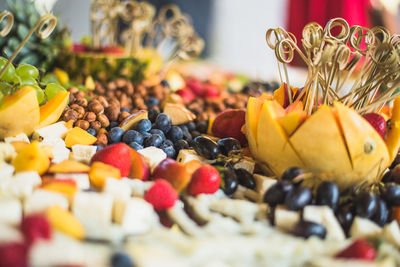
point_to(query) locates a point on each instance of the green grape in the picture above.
(9, 74)
(26, 70)
(1, 98)
(52, 89)
(28, 81)
(50, 78)
(6, 88)
(39, 93)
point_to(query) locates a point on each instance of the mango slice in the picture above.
(291, 121)
(19, 113)
(78, 136)
(320, 144)
(368, 152)
(100, 171)
(69, 166)
(393, 137)
(52, 110)
(64, 221)
(32, 158)
(273, 144)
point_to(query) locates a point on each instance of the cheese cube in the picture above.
(81, 179)
(11, 211)
(136, 216)
(324, 215)
(7, 152)
(21, 185)
(286, 219)
(391, 233)
(186, 155)
(83, 153)
(6, 170)
(10, 233)
(60, 151)
(242, 210)
(138, 187)
(55, 130)
(118, 189)
(94, 210)
(263, 183)
(41, 199)
(246, 164)
(20, 137)
(153, 155)
(362, 227)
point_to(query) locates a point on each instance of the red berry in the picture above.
(186, 94)
(211, 91)
(359, 249)
(205, 180)
(161, 195)
(377, 121)
(196, 86)
(36, 227)
(13, 255)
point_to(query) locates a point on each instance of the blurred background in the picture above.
(234, 30)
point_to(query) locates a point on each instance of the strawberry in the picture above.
(205, 180)
(13, 255)
(211, 91)
(35, 227)
(377, 121)
(186, 94)
(229, 124)
(196, 86)
(359, 249)
(161, 195)
(117, 155)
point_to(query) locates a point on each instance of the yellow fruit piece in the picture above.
(20, 145)
(368, 152)
(210, 123)
(69, 124)
(89, 83)
(32, 158)
(62, 76)
(78, 136)
(100, 171)
(274, 148)
(175, 81)
(69, 166)
(52, 110)
(291, 121)
(393, 137)
(321, 146)
(19, 113)
(67, 189)
(65, 222)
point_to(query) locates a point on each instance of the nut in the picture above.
(70, 115)
(95, 106)
(102, 131)
(102, 140)
(123, 115)
(82, 124)
(90, 116)
(80, 94)
(114, 102)
(103, 101)
(81, 111)
(81, 102)
(96, 125)
(112, 112)
(73, 90)
(102, 118)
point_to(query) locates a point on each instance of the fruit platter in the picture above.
(167, 167)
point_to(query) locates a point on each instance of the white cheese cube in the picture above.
(55, 130)
(118, 189)
(241, 210)
(181, 218)
(83, 153)
(263, 183)
(21, 185)
(136, 216)
(286, 219)
(41, 199)
(324, 215)
(138, 187)
(10, 233)
(362, 227)
(391, 233)
(81, 179)
(7, 152)
(11, 211)
(60, 151)
(6, 170)
(20, 137)
(153, 156)
(246, 164)
(94, 210)
(186, 155)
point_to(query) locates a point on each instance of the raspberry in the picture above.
(36, 227)
(378, 122)
(359, 249)
(205, 180)
(13, 255)
(161, 195)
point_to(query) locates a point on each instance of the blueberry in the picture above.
(183, 127)
(187, 136)
(132, 136)
(121, 260)
(202, 126)
(175, 134)
(99, 147)
(195, 134)
(164, 83)
(151, 102)
(170, 151)
(125, 109)
(143, 125)
(116, 134)
(136, 146)
(145, 135)
(167, 142)
(181, 144)
(191, 126)
(158, 131)
(91, 131)
(152, 114)
(113, 124)
(153, 140)
(163, 122)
